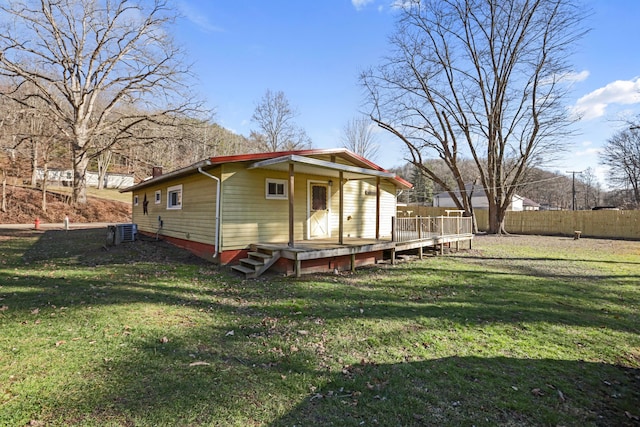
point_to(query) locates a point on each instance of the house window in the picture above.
(318, 198)
(174, 197)
(276, 189)
(158, 197)
(135, 200)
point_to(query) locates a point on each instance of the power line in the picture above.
(573, 189)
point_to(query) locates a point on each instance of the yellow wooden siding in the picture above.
(249, 217)
(360, 208)
(195, 221)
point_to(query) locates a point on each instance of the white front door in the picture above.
(318, 211)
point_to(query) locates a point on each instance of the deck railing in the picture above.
(426, 227)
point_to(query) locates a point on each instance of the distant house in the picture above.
(242, 208)
(64, 177)
(479, 200)
(530, 205)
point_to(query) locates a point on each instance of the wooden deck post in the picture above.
(441, 234)
(341, 210)
(291, 187)
(393, 228)
(353, 262)
(377, 208)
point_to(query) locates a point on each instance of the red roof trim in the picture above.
(214, 161)
(261, 156)
(343, 152)
(404, 182)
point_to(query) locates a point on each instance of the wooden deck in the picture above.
(329, 248)
(408, 234)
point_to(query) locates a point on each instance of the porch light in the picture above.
(330, 183)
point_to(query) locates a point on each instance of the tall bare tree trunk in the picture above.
(104, 160)
(3, 207)
(80, 164)
(44, 186)
(34, 163)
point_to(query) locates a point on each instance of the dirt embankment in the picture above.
(24, 205)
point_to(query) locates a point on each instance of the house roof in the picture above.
(475, 189)
(304, 159)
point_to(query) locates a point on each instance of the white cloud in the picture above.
(360, 4)
(594, 104)
(199, 19)
(588, 152)
(402, 4)
(574, 77)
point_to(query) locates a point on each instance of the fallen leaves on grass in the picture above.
(537, 392)
(561, 396)
(631, 416)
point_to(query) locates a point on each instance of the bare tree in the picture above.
(8, 151)
(551, 189)
(358, 136)
(277, 129)
(590, 188)
(88, 59)
(29, 137)
(622, 155)
(103, 160)
(481, 78)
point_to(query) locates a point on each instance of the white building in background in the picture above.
(64, 177)
(479, 199)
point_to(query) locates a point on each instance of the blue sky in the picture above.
(314, 51)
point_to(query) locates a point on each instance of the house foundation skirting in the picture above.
(203, 250)
(316, 257)
(326, 265)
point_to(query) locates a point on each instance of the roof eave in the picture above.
(171, 175)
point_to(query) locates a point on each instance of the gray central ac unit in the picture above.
(120, 233)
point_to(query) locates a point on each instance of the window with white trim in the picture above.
(158, 197)
(135, 200)
(276, 189)
(174, 197)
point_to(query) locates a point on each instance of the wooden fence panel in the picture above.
(621, 224)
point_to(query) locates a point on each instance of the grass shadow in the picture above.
(477, 391)
(146, 334)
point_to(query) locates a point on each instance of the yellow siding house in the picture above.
(225, 208)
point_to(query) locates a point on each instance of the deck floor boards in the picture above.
(330, 247)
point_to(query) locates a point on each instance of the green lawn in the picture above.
(518, 331)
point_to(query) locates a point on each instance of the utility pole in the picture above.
(573, 203)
